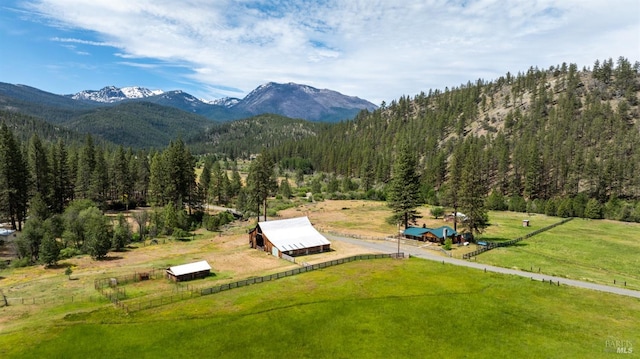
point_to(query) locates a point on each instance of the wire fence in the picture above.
(110, 289)
(11, 301)
(492, 245)
(129, 278)
(305, 268)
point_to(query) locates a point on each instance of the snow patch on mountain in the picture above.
(111, 94)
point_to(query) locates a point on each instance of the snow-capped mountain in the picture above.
(227, 102)
(291, 100)
(111, 94)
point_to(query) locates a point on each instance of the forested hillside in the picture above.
(539, 136)
(139, 124)
(240, 139)
(25, 126)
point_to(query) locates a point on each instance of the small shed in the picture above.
(525, 223)
(189, 271)
(293, 237)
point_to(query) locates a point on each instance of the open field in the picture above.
(589, 250)
(376, 308)
(38, 295)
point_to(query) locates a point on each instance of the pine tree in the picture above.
(85, 170)
(473, 189)
(39, 169)
(403, 196)
(205, 180)
(49, 250)
(285, 188)
(261, 180)
(62, 188)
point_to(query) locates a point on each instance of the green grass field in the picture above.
(589, 250)
(374, 309)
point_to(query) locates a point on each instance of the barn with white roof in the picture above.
(189, 271)
(293, 237)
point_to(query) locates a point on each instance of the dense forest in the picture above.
(541, 137)
(559, 141)
(243, 138)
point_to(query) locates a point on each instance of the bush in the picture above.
(69, 252)
(19, 263)
(437, 212)
(447, 244)
(517, 204)
(179, 233)
(593, 209)
(495, 202)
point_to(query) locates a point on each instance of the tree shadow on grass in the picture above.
(110, 258)
(58, 266)
(494, 239)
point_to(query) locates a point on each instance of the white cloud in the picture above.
(373, 49)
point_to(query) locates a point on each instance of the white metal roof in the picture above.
(190, 268)
(294, 233)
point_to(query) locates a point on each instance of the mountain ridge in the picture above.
(290, 100)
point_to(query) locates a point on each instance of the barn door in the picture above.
(274, 251)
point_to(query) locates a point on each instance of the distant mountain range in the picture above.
(290, 100)
(139, 117)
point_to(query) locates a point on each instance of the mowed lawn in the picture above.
(598, 251)
(372, 309)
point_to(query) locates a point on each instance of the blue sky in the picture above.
(374, 49)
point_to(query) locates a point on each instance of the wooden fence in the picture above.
(288, 257)
(303, 269)
(109, 288)
(492, 245)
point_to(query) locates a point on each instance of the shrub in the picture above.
(517, 204)
(21, 262)
(447, 244)
(593, 209)
(437, 212)
(69, 252)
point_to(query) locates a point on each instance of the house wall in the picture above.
(310, 250)
(188, 276)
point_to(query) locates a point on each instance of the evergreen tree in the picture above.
(473, 189)
(85, 169)
(62, 189)
(205, 180)
(39, 169)
(49, 250)
(261, 181)
(285, 188)
(403, 196)
(14, 179)
(593, 209)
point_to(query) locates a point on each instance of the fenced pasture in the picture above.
(507, 243)
(600, 251)
(366, 308)
(131, 293)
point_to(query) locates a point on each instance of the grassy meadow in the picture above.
(375, 308)
(598, 251)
